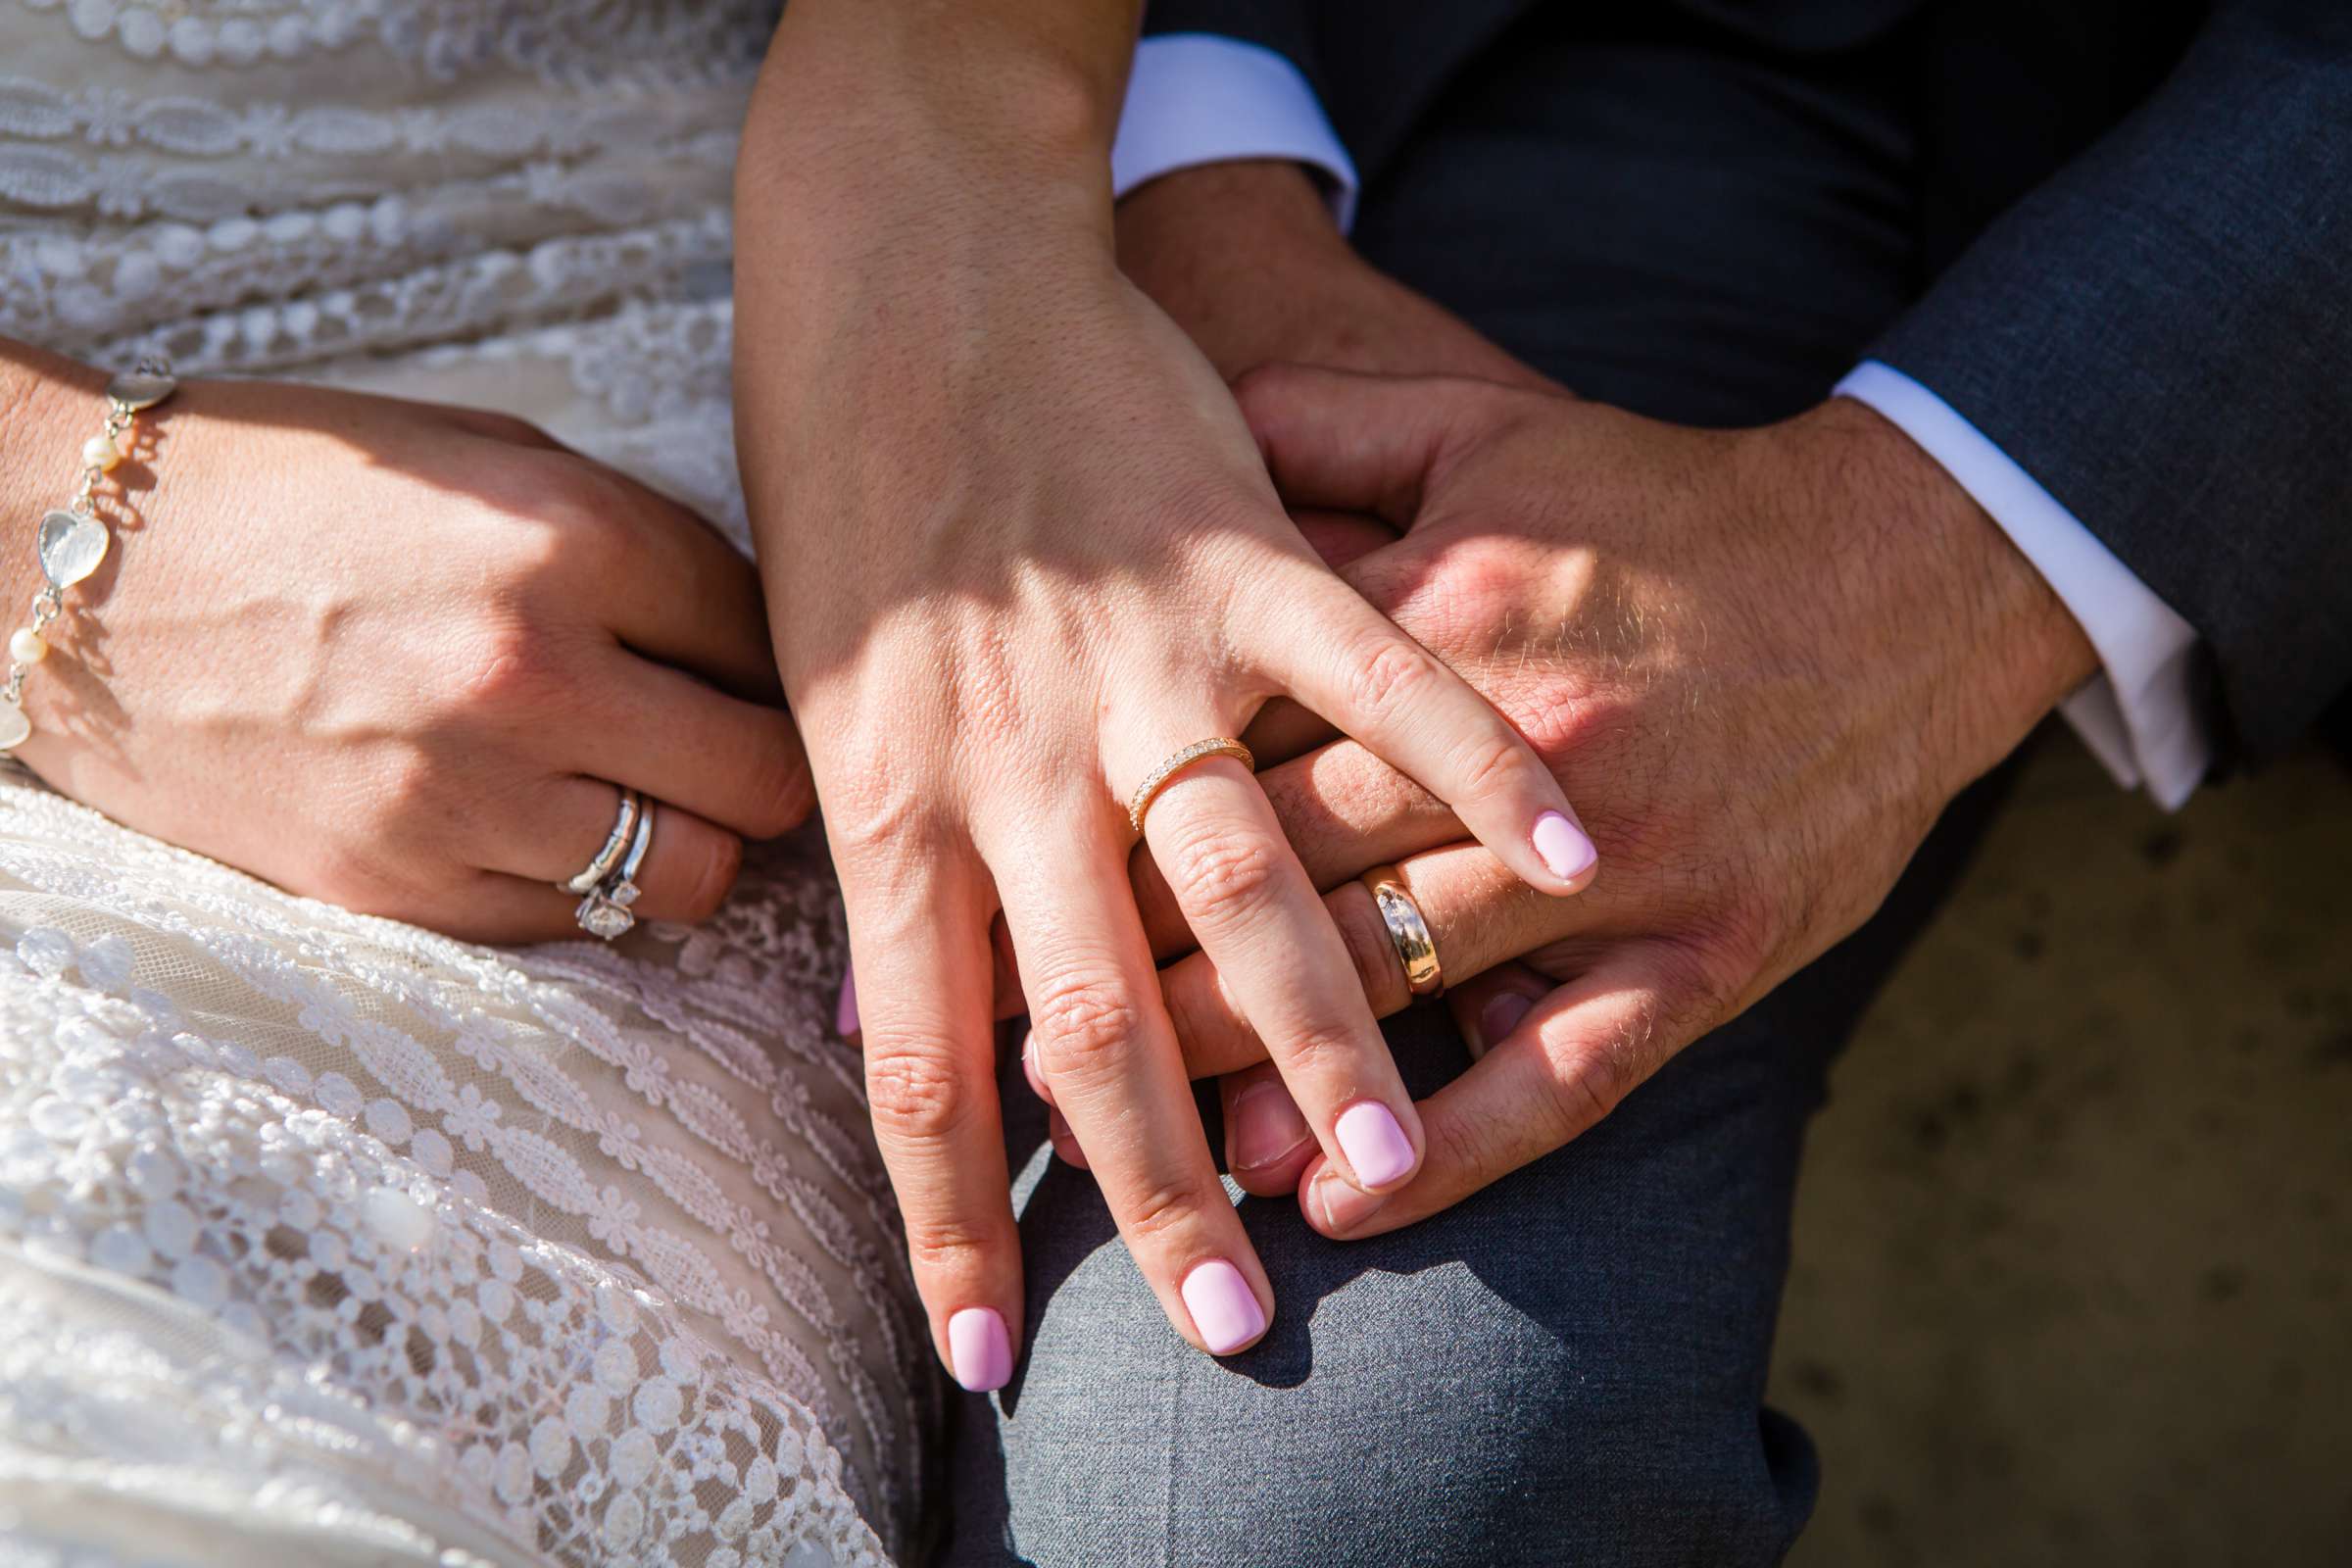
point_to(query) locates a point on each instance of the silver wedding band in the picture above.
(622, 889)
(610, 882)
(617, 845)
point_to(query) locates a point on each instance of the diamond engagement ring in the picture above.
(1161, 777)
(605, 912)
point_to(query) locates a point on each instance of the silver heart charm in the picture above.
(71, 548)
(136, 391)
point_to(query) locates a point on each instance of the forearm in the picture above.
(1211, 245)
(921, 188)
(947, 107)
(1245, 257)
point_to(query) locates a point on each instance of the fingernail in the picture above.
(1037, 1080)
(1377, 1150)
(1267, 1127)
(1564, 846)
(1225, 1310)
(1341, 1206)
(844, 1012)
(979, 1349)
(1499, 1016)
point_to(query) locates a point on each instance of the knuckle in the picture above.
(1221, 877)
(1490, 764)
(912, 1091)
(1198, 1008)
(879, 813)
(1469, 1146)
(408, 788)
(582, 519)
(1467, 607)
(1163, 1208)
(721, 861)
(1262, 388)
(1552, 725)
(945, 1244)
(1320, 1050)
(1713, 960)
(355, 878)
(777, 791)
(513, 663)
(1393, 674)
(1593, 1071)
(1083, 1025)
(1587, 1083)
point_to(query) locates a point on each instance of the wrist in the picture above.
(869, 107)
(1971, 633)
(1233, 200)
(48, 406)
(1240, 254)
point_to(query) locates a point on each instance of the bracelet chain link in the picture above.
(71, 542)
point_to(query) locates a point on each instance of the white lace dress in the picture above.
(323, 1240)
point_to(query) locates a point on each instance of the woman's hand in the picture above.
(1021, 549)
(397, 657)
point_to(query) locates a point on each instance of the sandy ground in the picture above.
(2074, 1244)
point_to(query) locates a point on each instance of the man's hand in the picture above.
(1762, 663)
(1246, 258)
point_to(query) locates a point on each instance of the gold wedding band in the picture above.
(1162, 776)
(1408, 933)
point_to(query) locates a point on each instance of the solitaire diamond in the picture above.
(602, 919)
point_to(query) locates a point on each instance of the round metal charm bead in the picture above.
(141, 389)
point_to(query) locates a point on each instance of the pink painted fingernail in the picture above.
(1564, 846)
(1499, 1016)
(844, 1012)
(1225, 1310)
(1341, 1206)
(1037, 1080)
(979, 1349)
(1377, 1150)
(1267, 1127)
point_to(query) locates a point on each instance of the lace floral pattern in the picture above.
(374, 177)
(324, 1231)
(604, 43)
(586, 1246)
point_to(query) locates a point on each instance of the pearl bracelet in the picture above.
(71, 542)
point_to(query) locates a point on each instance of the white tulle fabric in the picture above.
(324, 1239)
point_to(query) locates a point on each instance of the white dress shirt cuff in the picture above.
(2136, 716)
(1195, 98)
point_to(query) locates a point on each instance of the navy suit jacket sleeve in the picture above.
(2162, 335)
